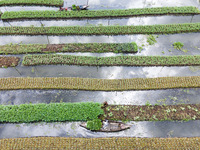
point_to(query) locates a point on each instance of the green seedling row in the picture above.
(48, 59)
(49, 112)
(119, 143)
(31, 2)
(69, 83)
(102, 30)
(98, 13)
(71, 47)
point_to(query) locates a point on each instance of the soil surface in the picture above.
(152, 113)
(9, 61)
(53, 48)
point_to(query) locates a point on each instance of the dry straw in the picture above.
(99, 84)
(120, 143)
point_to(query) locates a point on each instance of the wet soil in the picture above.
(9, 61)
(152, 113)
(53, 48)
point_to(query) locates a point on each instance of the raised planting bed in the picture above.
(100, 143)
(48, 59)
(26, 113)
(71, 47)
(89, 84)
(8, 61)
(19, 15)
(49, 112)
(57, 3)
(102, 30)
(184, 112)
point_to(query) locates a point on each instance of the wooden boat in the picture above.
(80, 7)
(110, 127)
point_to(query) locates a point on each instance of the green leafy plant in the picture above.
(110, 114)
(178, 45)
(49, 112)
(31, 2)
(51, 14)
(147, 103)
(94, 124)
(74, 7)
(102, 30)
(151, 40)
(70, 47)
(50, 59)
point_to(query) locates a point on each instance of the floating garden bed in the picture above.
(49, 112)
(56, 3)
(89, 84)
(13, 15)
(184, 112)
(8, 61)
(100, 143)
(48, 59)
(58, 112)
(102, 30)
(71, 47)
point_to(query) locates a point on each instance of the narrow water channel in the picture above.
(72, 129)
(161, 97)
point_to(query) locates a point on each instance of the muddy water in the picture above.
(168, 97)
(72, 129)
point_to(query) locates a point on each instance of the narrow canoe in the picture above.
(111, 127)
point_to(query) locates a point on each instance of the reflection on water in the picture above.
(106, 22)
(72, 129)
(168, 97)
(116, 72)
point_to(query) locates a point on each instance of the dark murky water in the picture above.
(162, 47)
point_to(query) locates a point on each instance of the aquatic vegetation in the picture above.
(90, 84)
(178, 45)
(8, 61)
(49, 59)
(13, 15)
(102, 30)
(151, 40)
(52, 112)
(71, 47)
(31, 2)
(94, 124)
